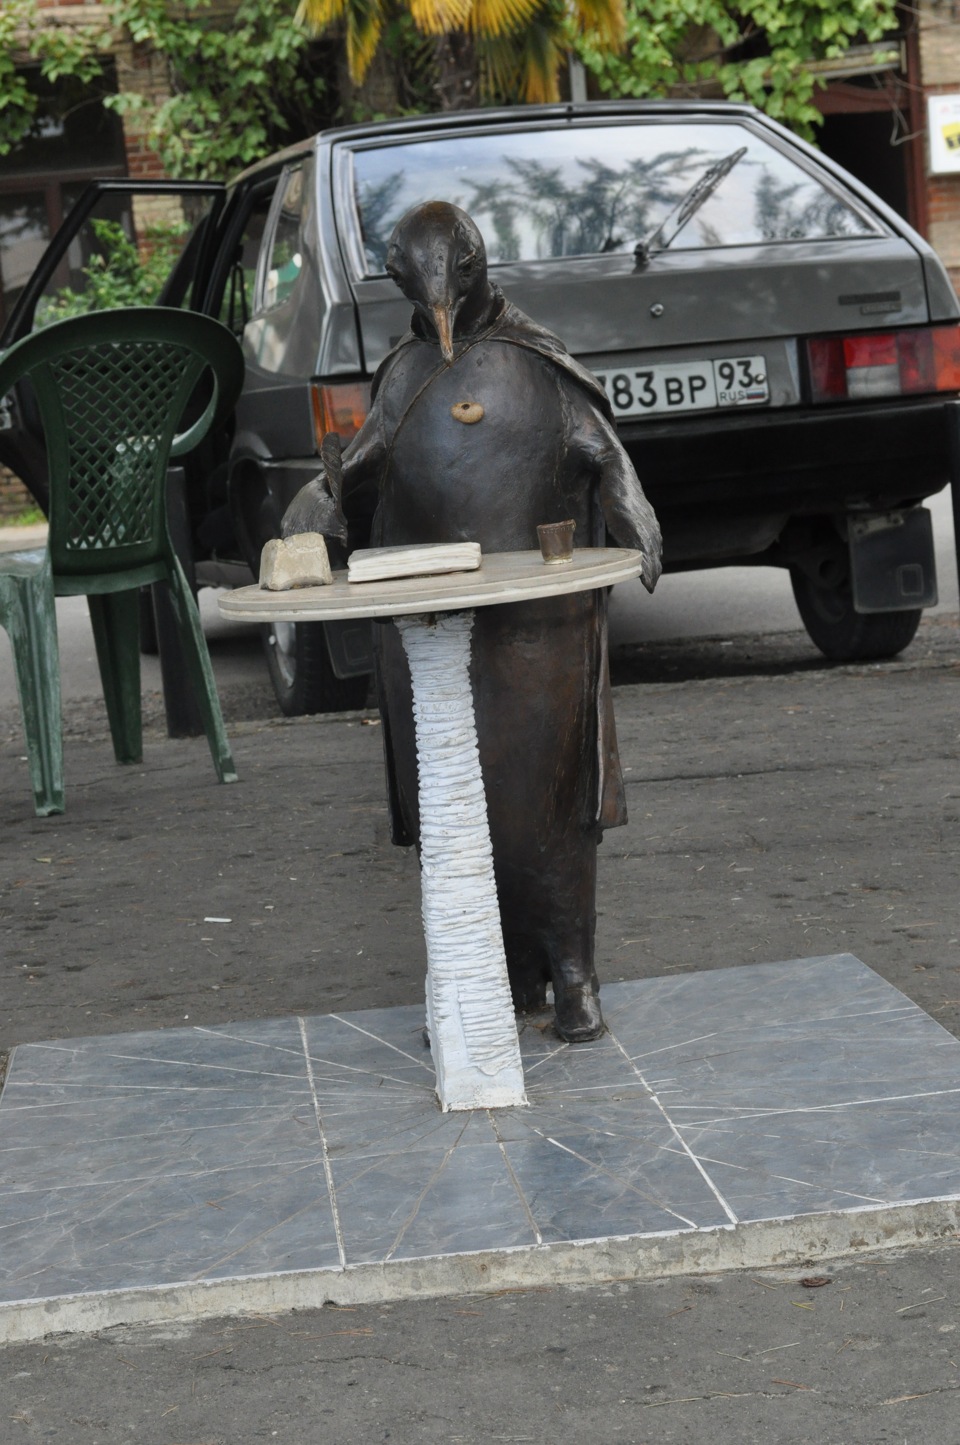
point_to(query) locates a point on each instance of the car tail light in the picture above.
(341, 407)
(886, 363)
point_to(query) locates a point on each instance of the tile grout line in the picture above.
(677, 1135)
(448, 1155)
(524, 1202)
(634, 1188)
(327, 1170)
(753, 1111)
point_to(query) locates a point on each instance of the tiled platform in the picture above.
(744, 1116)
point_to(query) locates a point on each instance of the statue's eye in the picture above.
(466, 263)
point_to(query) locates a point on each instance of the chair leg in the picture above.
(115, 618)
(30, 617)
(201, 672)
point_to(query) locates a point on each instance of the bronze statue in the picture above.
(481, 427)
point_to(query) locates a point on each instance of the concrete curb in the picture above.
(781, 1243)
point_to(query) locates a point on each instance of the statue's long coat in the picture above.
(544, 451)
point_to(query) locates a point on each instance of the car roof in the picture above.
(522, 116)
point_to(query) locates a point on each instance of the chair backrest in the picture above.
(112, 388)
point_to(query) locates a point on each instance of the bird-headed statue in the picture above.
(481, 427)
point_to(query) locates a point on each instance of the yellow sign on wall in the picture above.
(943, 127)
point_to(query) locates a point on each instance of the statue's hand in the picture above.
(318, 506)
(315, 509)
(652, 565)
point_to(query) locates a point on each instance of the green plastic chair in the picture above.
(27, 613)
(112, 388)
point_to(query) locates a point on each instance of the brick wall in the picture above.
(138, 69)
(145, 73)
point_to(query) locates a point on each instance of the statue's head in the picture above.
(437, 257)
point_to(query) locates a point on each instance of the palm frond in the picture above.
(438, 17)
(491, 18)
(499, 68)
(523, 65)
(606, 19)
(541, 55)
(364, 25)
(362, 20)
(316, 15)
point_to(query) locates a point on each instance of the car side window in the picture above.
(284, 259)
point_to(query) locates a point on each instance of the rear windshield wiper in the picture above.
(685, 209)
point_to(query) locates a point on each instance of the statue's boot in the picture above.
(576, 1002)
(577, 1012)
(548, 913)
(575, 990)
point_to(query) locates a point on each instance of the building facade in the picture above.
(74, 140)
(876, 105)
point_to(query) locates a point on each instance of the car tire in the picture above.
(842, 633)
(303, 679)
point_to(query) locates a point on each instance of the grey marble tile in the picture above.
(381, 1042)
(579, 1188)
(624, 1117)
(130, 1107)
(747, 1093)
(780, 1000)
(164, 1230)
(271, 1053)
(758, 996)
(364, 1127)
(599, 1069)
(89, 1143)
(406, 1206)
(846, 1036)
(803, 1161)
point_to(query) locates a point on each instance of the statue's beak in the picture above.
(443, 321)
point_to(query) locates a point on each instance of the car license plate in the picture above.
(636, 390)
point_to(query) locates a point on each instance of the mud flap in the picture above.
(892, 562)
(350, 644)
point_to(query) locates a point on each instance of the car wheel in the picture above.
(842, 633)
(303, 679)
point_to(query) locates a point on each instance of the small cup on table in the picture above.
(556, 541)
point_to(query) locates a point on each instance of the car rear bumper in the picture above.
(724, 487)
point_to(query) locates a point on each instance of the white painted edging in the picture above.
(782, 1243)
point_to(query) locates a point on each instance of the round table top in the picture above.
(501, 577)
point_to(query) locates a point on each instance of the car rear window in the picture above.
(592, 190)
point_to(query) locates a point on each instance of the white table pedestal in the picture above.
(473, 1030)
(470, 1017)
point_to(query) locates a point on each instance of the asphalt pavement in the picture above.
(779, 808)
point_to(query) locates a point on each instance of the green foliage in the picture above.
(748, 50)
(119, 274)
(17, 103)
(238, 81)
(29, 517)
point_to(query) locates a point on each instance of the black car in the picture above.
(781, 350)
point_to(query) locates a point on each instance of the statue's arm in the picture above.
(627, 514)
(340, 500)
